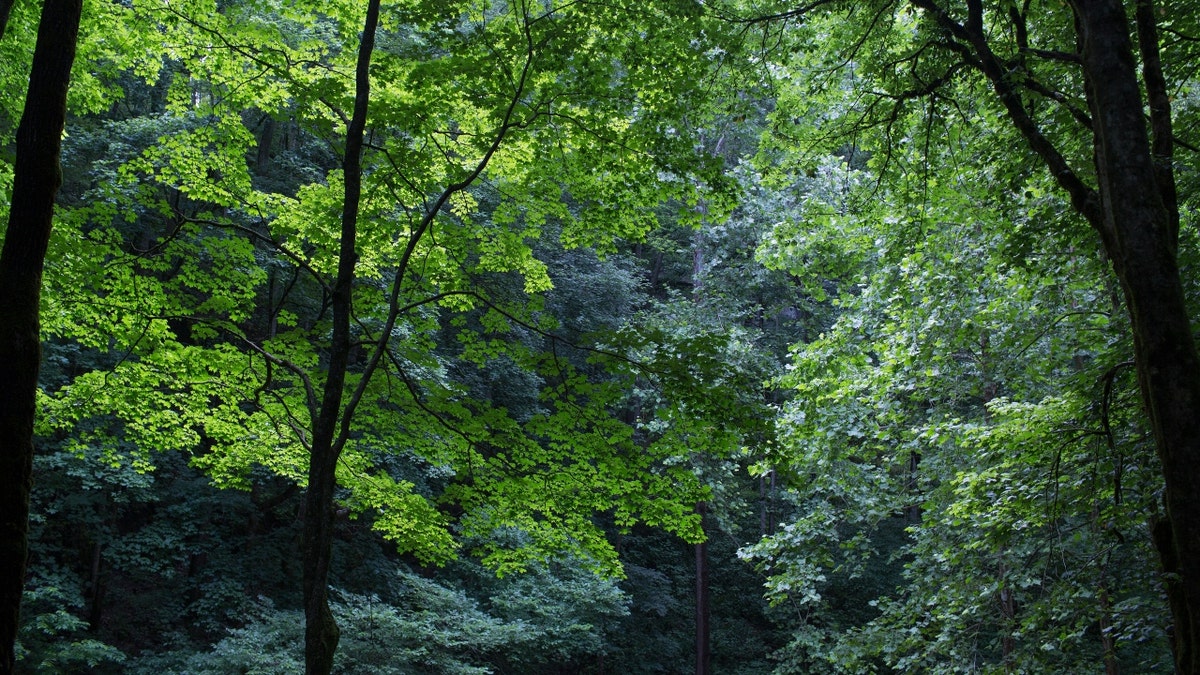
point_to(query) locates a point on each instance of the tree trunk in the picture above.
(36, 180)
(5, 10)
(703, 655)
(1139, 227)
(262, 161)
(321, 631)
(1108, 646)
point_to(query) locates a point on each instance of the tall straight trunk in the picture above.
(703, 612)
(1139, 226)
(1108, 645)
(703, 637)
(1008, 622)
(36, 180)
(321, 631)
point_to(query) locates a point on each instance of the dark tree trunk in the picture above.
(1139, 226)
(703, 643)
(5, 8)
(35, 183)
(1112, 666)
(263, 160)
(321, 631)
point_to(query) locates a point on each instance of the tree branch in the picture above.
(508, 122)
(1083, 198)
(1161, 136)
(772, 18)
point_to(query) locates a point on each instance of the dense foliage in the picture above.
(579, 303)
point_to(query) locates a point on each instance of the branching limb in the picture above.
(975, 42)
(1161, 136)
(507, 124)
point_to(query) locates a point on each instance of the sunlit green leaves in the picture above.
(202, 285)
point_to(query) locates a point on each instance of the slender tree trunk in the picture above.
(36, 180)
(321, 631)
(703, 651)
(1139, 227)
(95, 588)
(762, 506)
(1008, 621)
(703, 639)
(1107, 645)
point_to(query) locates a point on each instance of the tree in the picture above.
(36, 180)
(486, 123)
(321, 631)
(1080, 108)
(969, 469)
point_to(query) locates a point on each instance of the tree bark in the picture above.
(1139, 227)
(5, 9)
(321, 631)
(703, 642)
(36, 180)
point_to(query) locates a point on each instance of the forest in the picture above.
(549, 337)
